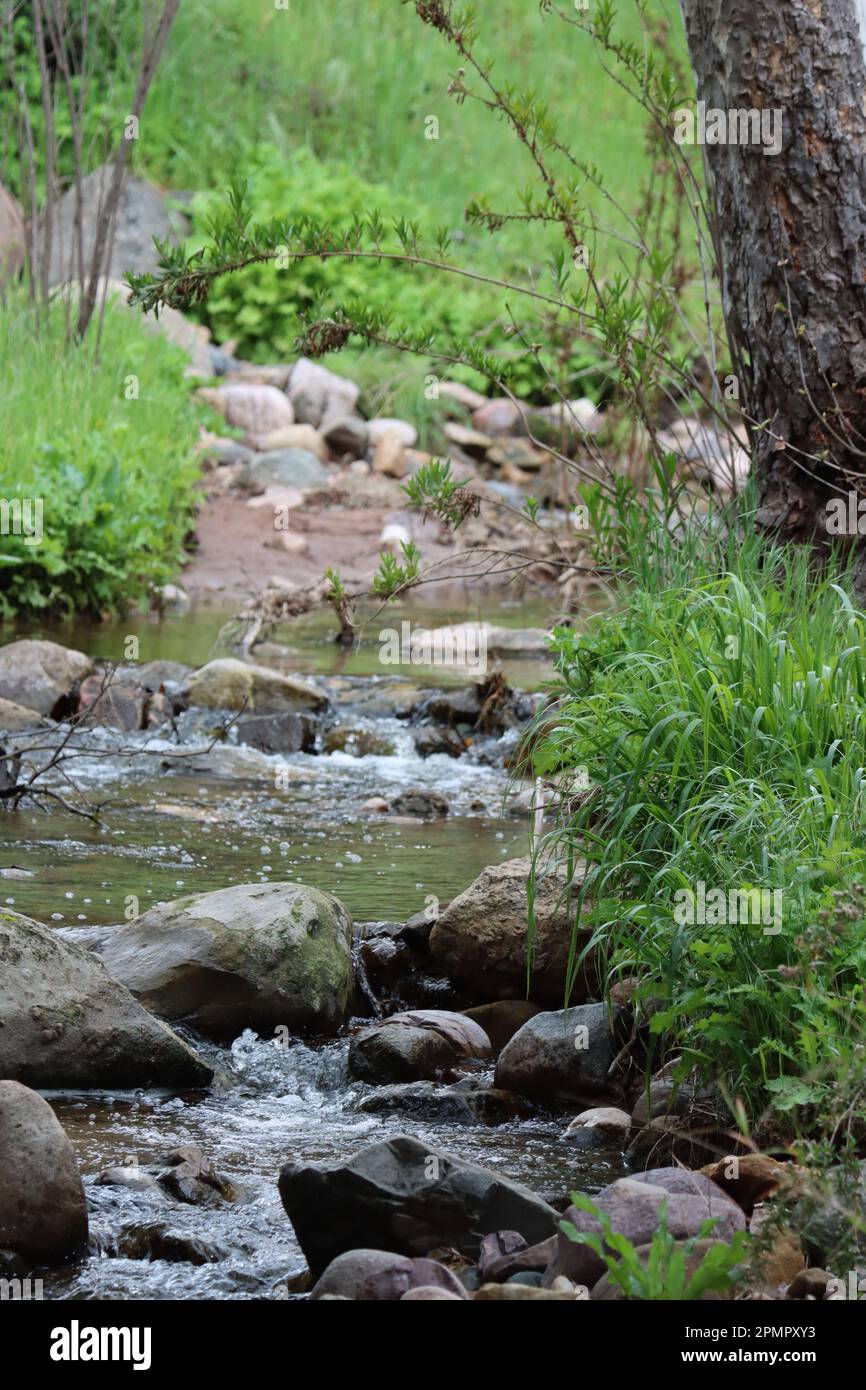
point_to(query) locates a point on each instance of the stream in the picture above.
(175, 826)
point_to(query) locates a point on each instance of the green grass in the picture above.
(115, 476)
(721, 720)
(355, 82)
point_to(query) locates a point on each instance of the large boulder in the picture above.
(258, 955)
(407, 1197)
(41, 675)
(480, 938)
(142, 214)
(416, 1046)
(228, 683)
(43, 1212)
(561, 1056)
(65, 1022)
(634, 1207)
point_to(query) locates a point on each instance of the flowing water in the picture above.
(188, 820)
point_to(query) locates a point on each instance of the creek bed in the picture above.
(180, 826)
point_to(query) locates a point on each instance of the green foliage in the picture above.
(391, 575)
(115, 476)
(266, 307)
(100, 38)
(668, 1271)
(721, 716)
(434, 490)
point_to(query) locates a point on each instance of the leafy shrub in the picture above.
(665, 1273)
(115, 476)
(265, 308)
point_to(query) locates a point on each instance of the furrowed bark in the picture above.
(792, 238)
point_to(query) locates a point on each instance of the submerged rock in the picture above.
(42, 675)
(255, 956)
(66, 1022)
(480, 938)
(415, 1046)
(43, 1212)
(418, 801)
(155, 1241)
(192, 1178)
(17, 719)
(277, 733)
(456, 1105)
(405, 1196)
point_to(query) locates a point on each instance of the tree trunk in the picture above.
(792, 240)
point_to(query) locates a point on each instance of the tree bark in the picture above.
(791, 237)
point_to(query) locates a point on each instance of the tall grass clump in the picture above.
(101, 436)
(711, 735)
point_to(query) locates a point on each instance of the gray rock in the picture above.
(384, 425)
(277, 733)
(416, 1046)
(563, 1055)
(345, 434)
(171, 674)
(18, 719)
(605, 1120)
(134, 1178)
(143, 213)
(480, 938)
(66, 1022)
(156, 1241)
(316, 392)
(424, 1100)
(255, 956)
(239, 685)
(429, 1294)
(394, 1283)
(634, 1210)
(408, 1197)
(191, 1177)
(110, 703)
(250, 406)
(346, 1274)
(418, 801)
(41, 675)
(43, 1212)
(296, 468)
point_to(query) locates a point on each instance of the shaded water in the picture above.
(210, 818)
